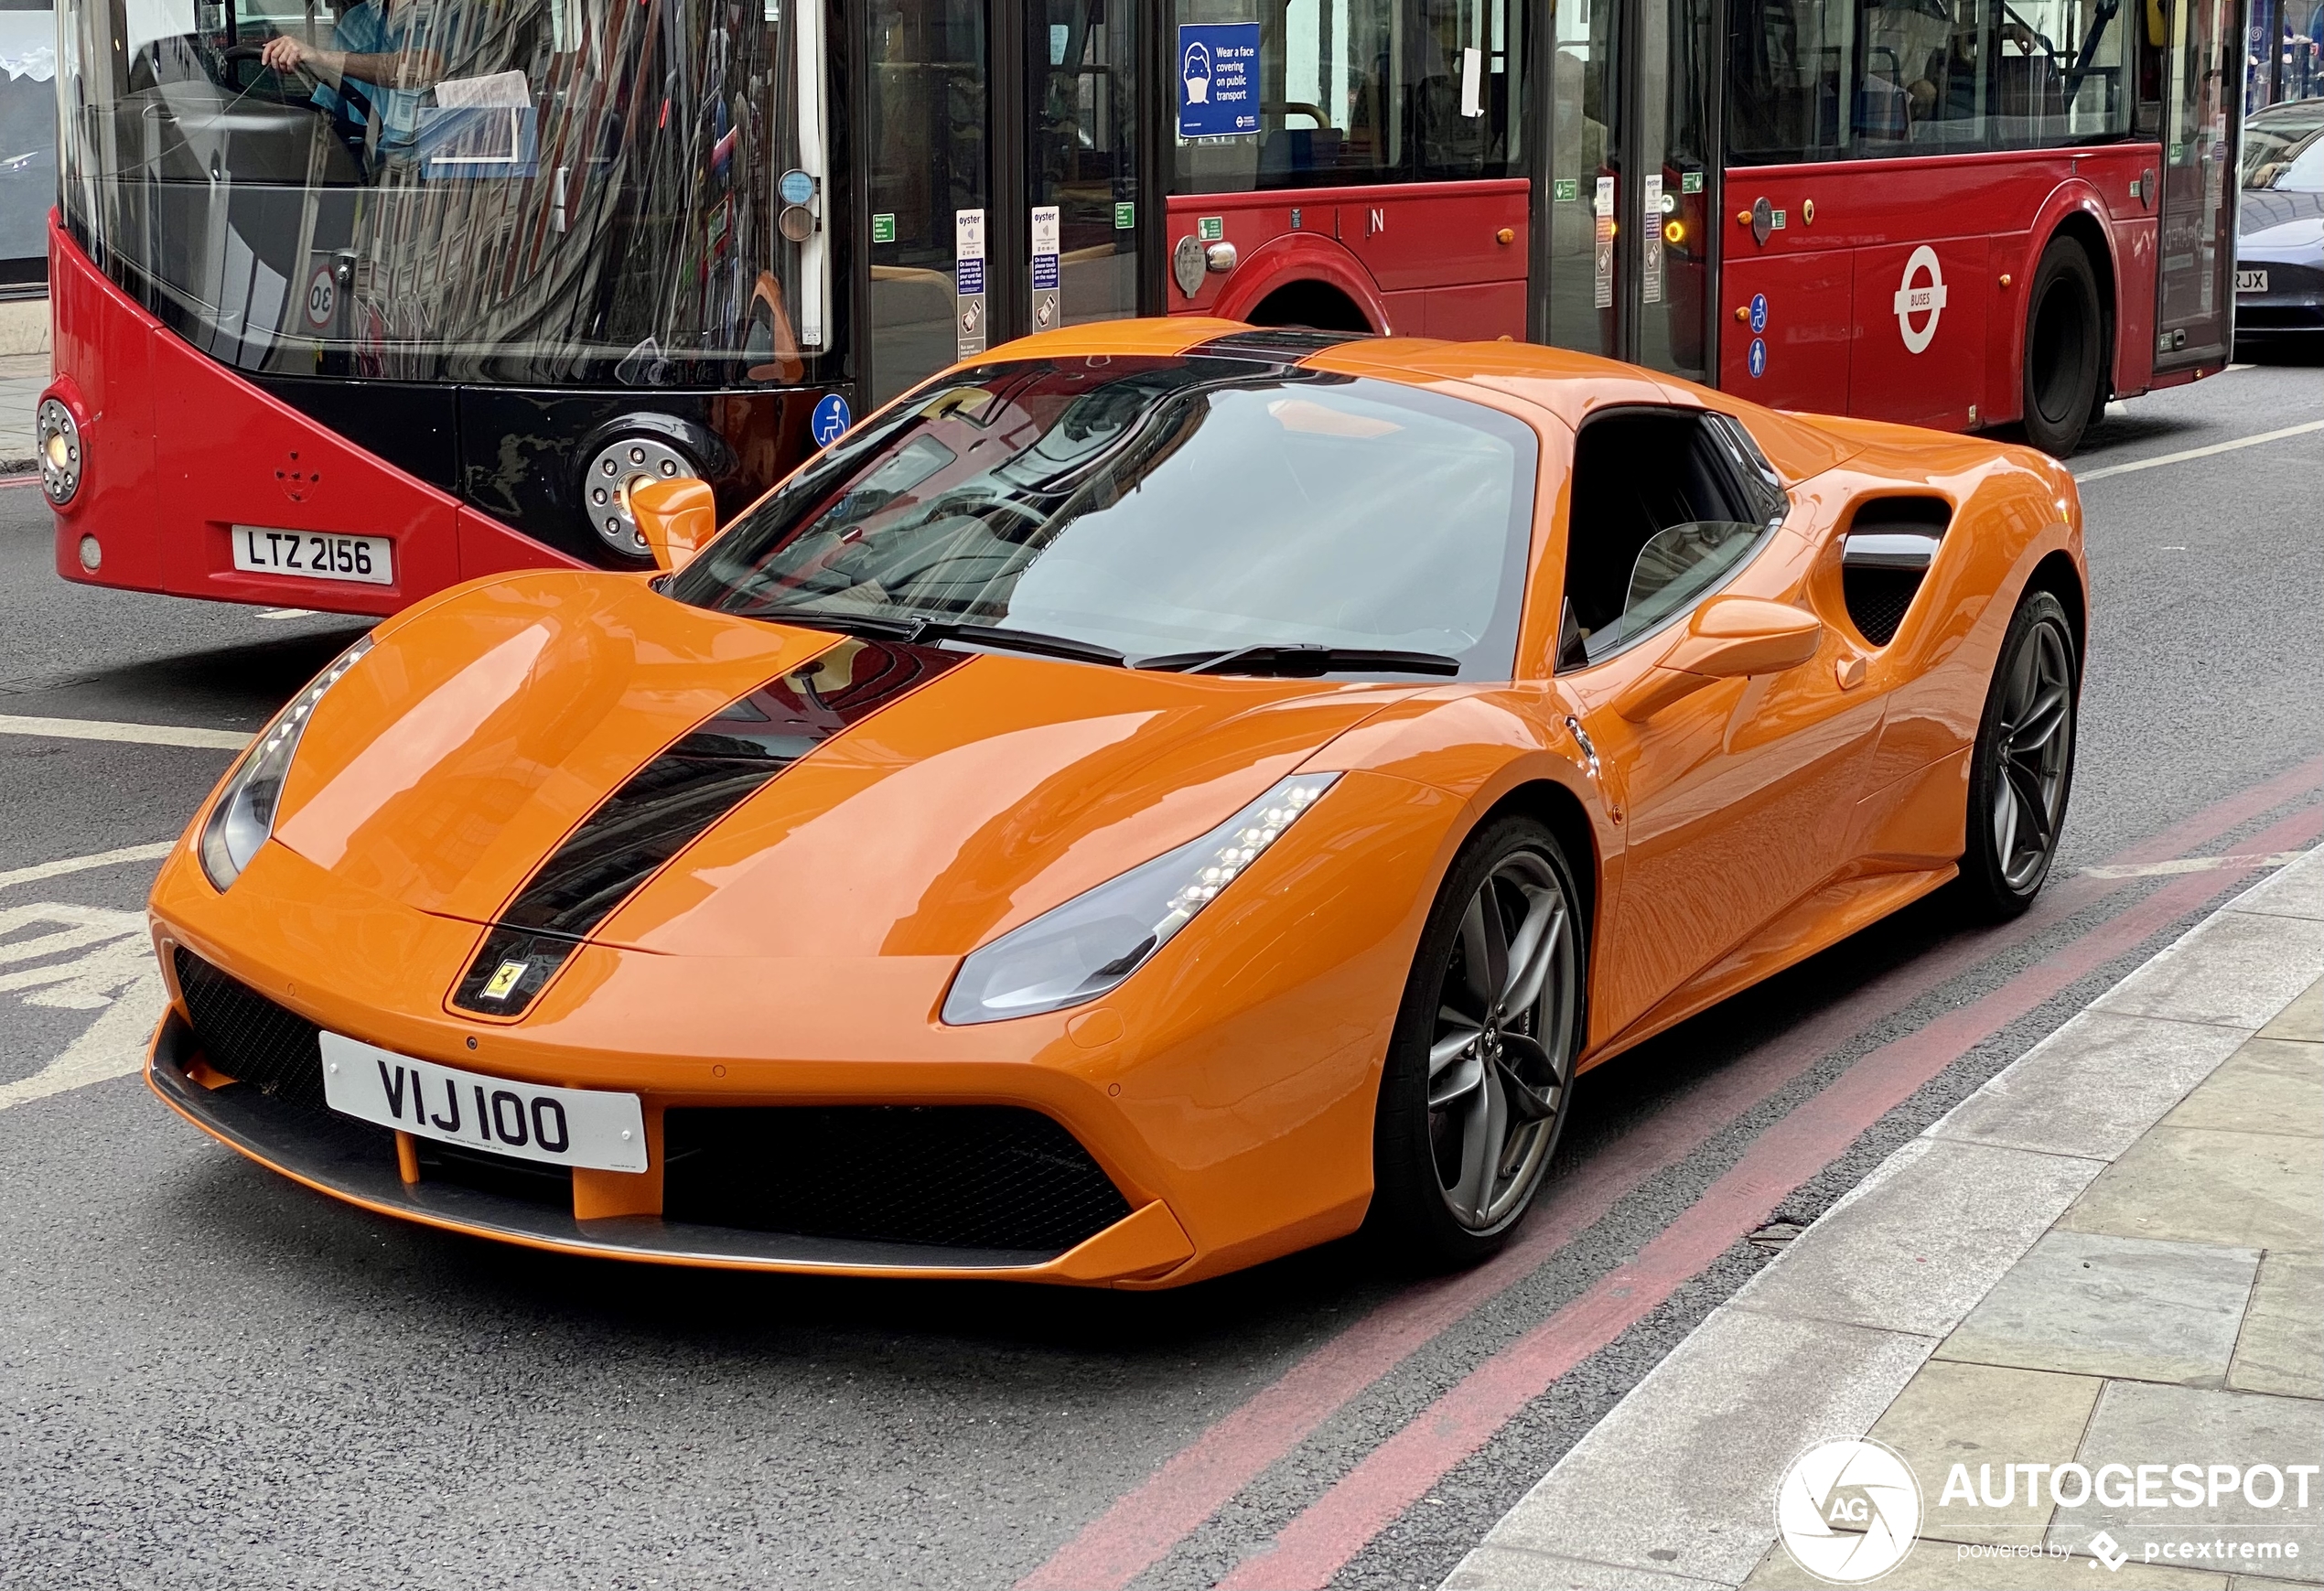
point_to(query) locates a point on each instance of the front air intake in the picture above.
(1885, 556)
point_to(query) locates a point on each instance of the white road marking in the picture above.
(134, 733)
(83, 864)
(285, 613)
(113, 974)
(2196, 865)
(2201, 452)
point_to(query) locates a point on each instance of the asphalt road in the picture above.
(211, 1377)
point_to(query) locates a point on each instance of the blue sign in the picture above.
(1217, 78)
(971, 275)
(1759, 313)
(831, 420)
(1758, 358)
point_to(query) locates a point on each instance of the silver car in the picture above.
(2279, 253)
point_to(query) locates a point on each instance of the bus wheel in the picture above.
(2063, 350)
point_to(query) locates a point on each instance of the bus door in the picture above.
(1000, 180)
(1624, 266)
(2203, 92)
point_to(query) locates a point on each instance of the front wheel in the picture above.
(2023, 766)
(1480, 1070)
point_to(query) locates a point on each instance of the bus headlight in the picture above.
(244, 814)
(61, 451)
(1076, 951)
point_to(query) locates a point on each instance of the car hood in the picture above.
(477, 737)
(2278, 222)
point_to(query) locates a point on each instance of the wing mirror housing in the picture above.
(677, 517)
(1727, 637)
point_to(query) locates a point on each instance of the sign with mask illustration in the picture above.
(1217, 78)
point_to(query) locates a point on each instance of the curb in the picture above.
(1676, 1488)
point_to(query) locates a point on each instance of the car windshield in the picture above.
(2286, 152)
(1157, 507)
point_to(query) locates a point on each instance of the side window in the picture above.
(1666, 505)
(1353, 92)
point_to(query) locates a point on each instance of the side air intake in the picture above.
(1885, 556)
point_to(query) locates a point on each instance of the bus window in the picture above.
(925, 174)
(1082, 149)
(541, 191)
(1820, 80)
(1369, 90)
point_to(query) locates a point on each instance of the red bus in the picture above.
(329, 340)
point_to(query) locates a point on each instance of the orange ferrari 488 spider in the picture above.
(1167, 795)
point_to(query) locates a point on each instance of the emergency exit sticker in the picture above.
(883, 229)
(1565, 190)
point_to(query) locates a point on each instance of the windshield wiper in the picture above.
(922, 631)
(1297, 661)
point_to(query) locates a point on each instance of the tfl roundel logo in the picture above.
(1926, 299)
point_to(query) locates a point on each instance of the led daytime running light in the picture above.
(243, 816)
(1075, 952)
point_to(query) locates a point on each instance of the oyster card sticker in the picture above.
(591, 1128)
(1602, 281)
(1046, 283)
(1217, 78)
(968, 277)
(1650, 249)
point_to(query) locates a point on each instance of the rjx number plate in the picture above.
(592, 1128)
(315, 555)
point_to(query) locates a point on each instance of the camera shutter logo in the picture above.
(1848, 1511)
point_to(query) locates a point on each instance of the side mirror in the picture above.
(1727, 637)
(676, 517)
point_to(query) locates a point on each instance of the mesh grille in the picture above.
(1877, 599)
(248, 1036)
(985, 1176)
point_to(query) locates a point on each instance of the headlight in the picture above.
(1077, 950)
(244, 814)
(59, 450)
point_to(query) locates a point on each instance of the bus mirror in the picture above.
(676, 518)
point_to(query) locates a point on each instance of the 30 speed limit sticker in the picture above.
(322, 298)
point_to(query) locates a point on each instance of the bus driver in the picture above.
(376, 76)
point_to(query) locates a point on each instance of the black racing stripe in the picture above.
(667, 804)
(1273, 344)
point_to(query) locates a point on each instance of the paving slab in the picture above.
(2269, 1085)
(2258, 1190)
(1490, 1568)
(1987, 1418)
(2281, 1348)
(2302, 1019)
(2137, 1423)
(2100, 1304)
(1914, 1246)
(2238, 969)
(1951, 1566)
(2294, 891)
(1685, 1483)
(2092, 1087)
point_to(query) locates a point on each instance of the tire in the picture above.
(1451, 1180)
(2021, 771)
(2065, 351)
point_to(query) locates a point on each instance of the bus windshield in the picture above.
(544, 192)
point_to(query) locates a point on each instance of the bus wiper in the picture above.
(1297, 661)
(922, 631)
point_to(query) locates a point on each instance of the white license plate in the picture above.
(588, 1127)
(2250, 281)
(314, 555)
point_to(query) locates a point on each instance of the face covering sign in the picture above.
(1217, 78)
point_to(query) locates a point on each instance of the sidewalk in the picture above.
(22, 377)
(2111, 1253)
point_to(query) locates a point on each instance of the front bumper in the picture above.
(359, 1163)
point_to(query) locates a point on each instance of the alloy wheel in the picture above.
(2034, 739)
(1500, 1060)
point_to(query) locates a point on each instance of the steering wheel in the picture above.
(265, 83)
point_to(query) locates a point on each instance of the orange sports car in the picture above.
(1164, 796)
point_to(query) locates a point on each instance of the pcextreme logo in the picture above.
(1848, 1511)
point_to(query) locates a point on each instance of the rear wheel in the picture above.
(1481, 1067)
(2023, 766)
(2064, 352)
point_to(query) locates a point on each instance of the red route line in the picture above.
(1145, 1523)
(1316, 1545)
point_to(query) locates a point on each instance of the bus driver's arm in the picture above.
(417, 68)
